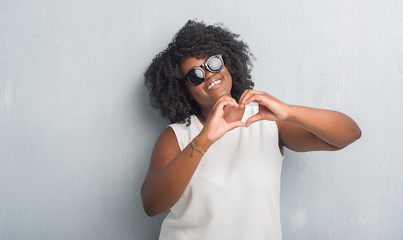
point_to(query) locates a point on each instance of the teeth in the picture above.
(213, 84)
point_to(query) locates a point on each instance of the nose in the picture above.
(207, 73)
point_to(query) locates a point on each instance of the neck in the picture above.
(201, 118)
(230, 114)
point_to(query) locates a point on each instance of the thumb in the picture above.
(252, 119)
(235, 124)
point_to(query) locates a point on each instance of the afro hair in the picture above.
(195, 39)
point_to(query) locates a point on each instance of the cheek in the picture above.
(227, 73)
(228, 77)
(190, 91)
(194, 94)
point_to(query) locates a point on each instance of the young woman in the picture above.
(217, 167)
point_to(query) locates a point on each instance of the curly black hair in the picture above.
(196, 39)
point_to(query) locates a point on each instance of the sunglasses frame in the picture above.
(205, 65)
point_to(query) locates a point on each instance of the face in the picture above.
(214, 86)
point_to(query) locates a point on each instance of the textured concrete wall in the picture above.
(76, 128)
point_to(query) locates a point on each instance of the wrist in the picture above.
(292, 112)
(202, 143)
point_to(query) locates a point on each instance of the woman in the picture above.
(217, 167)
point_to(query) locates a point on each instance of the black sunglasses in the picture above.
(214, 64)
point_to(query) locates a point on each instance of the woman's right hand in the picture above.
(217, 123)
(172, 168)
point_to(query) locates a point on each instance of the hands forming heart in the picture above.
(217, 123)
(270, 108)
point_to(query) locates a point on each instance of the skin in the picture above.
(300, 129)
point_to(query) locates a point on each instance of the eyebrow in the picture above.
(196, 66)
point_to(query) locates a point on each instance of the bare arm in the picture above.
(303, 128)
(171, 169)
(169, 173)
(309, 129)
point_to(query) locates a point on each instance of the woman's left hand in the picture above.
(303, 128)
(270, 108)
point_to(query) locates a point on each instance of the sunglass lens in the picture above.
(195, 76)
(215, 64)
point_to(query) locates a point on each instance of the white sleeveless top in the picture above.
(234, 193)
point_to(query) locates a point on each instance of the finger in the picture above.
(246, 92)
(218, 110)
(231, 103)
(235, 124)
(225, 99)
(246, 95)
(253, 97)
(252, 119)
(246, 98)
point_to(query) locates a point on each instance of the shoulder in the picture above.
(190, 124)
(169, 135)
(167, 139)
(185, 132)
(181, 126)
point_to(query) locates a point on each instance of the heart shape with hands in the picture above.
(270, 108)
(222, 120)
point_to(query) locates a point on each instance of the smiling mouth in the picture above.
(214, 84)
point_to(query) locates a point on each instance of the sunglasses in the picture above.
(197, 75)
